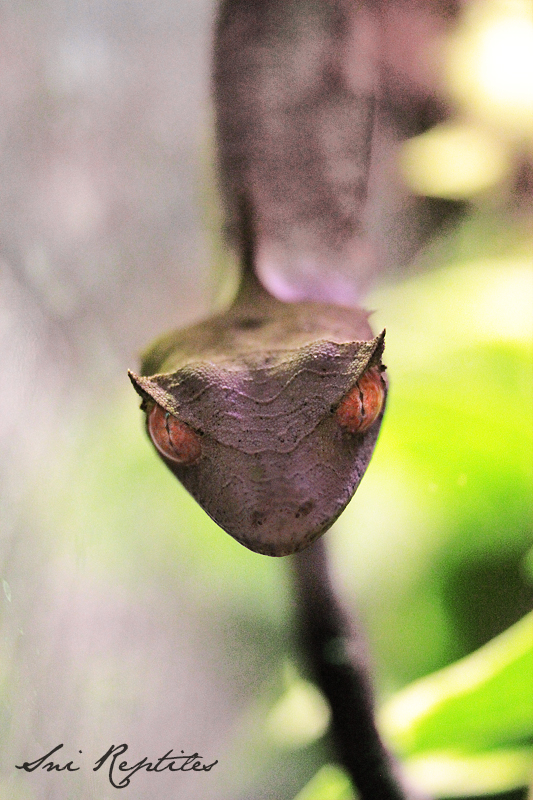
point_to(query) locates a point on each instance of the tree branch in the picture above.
(336, 654)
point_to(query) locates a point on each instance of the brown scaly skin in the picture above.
(256, 390)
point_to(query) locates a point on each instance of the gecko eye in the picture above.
(174, 439)
(362, 405)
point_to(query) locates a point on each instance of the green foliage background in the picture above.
(433, 555)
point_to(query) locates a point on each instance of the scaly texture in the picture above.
(259, 386)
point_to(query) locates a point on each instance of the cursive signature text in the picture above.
(120, 772)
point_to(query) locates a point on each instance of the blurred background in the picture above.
(127, 615)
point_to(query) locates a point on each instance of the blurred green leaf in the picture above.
(301, 715)
(456, 160)
(481, 701)
(447, 774)
(431, 549)
(330, 783)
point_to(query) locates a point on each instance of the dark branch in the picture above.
(336, 655)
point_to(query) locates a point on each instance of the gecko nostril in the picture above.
(258, 518)
(305, 509)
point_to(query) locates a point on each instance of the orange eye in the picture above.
(173, 439)
(362, 405)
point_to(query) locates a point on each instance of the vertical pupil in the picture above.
(173, 439)
(167, 426)
(361, 406)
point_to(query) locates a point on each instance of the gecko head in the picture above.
(274, 446)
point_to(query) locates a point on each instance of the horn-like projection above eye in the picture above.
(172, 438)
